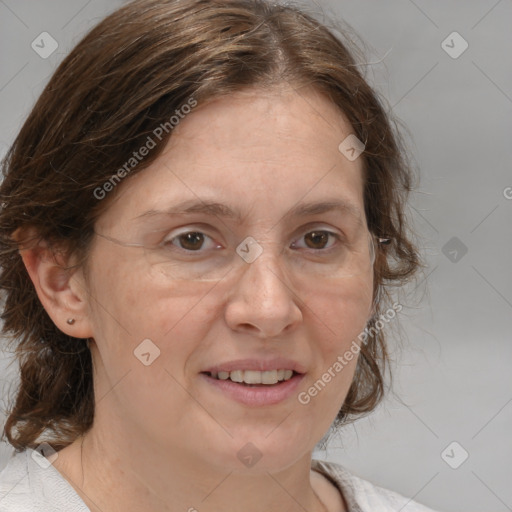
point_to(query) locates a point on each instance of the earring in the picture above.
(70, 321)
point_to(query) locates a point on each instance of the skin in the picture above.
(163, 438)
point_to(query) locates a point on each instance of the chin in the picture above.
(271, 451)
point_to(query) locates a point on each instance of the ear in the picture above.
(62, 290)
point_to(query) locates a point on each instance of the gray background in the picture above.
(452, 375)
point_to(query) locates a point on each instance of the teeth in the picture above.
(255, 377)
(269, 377)
(237, 376)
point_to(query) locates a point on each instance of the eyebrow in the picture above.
(221, 210)
(339, 205)
(196, 206)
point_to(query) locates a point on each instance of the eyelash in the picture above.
(332, 234)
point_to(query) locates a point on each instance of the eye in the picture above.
(319, 239)
(192, 241)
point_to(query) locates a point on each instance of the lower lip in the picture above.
(256, 395)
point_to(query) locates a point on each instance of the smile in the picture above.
(254, 377)
(255, 388)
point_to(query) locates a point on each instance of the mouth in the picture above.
(254, 378)
(254, 388)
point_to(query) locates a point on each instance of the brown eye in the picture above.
(317, 239)
(191, 241)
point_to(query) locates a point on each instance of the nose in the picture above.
(263, 302)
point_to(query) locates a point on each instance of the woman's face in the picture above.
(180, 300)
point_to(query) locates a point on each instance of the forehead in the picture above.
(255, 126)
(258, 151)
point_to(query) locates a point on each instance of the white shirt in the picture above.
(30, 484)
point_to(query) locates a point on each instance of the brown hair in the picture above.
(125, 78)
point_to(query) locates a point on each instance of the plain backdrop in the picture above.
(444, 439)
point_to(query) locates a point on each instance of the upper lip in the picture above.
(262, 365)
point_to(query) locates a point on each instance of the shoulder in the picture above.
(29, 483)
(363, 496)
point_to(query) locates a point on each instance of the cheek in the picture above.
(341, 311)
(130, 296)
(131, 305)
(337, 317)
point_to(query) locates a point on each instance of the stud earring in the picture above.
(70, 321)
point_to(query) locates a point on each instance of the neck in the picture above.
(111, 477)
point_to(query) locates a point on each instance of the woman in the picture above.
(200, 217)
